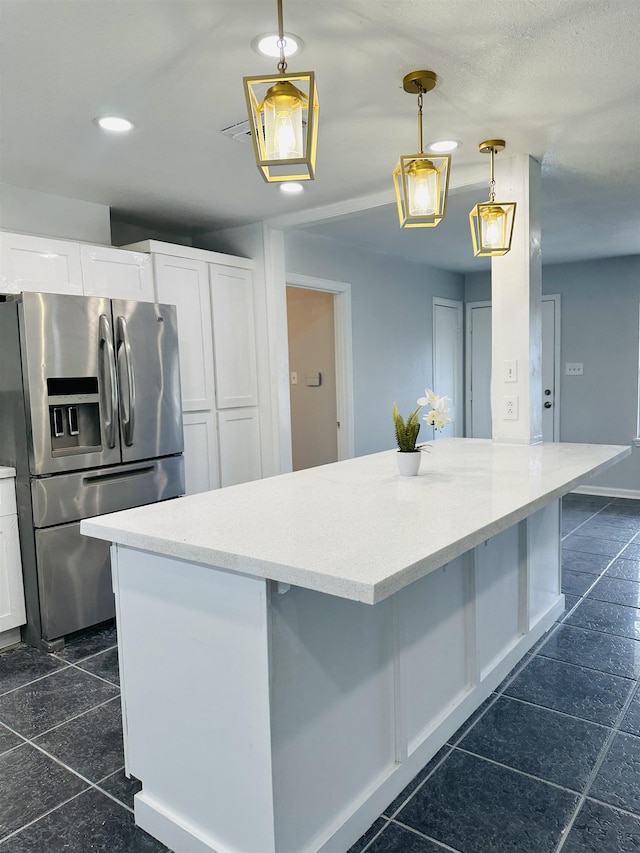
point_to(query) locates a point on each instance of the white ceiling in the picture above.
(559, 80)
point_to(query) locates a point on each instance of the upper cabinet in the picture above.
(184, 282)
(116, 273)
(47, 265)
(42, 264)
(234, 337)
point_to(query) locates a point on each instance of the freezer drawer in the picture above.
(71, 497)
(74, 580)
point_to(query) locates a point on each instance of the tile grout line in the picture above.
(615, 730)
(90, 786)
(519, 772)
(33, 681)
(564, 713)
(93, 674)
(58, 725)
(449, 750)
(430, 838)
(64, 665)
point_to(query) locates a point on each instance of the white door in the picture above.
(550, 368)
(447, 361)
(478, 384)
(479, 370)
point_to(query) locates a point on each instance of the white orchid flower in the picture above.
(429, 399)
(438, 417)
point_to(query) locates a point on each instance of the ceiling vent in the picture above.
(240, 131)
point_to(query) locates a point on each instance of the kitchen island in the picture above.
(294, 650)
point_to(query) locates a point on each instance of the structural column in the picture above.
(516, 290)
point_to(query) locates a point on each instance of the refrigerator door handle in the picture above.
(108, 377)
(128, 400)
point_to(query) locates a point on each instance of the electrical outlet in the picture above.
(510, 409)
(574, 369)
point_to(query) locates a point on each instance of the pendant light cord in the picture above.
(492, 182)
(282, 65)
(420, 119)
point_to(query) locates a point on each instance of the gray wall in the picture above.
(599, 327)
(32, 212)
(392, 326)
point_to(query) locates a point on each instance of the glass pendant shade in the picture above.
(422, 186)
(283, 111)
(492, 228)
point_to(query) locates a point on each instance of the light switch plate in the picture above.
(573, 369)
(511, 371)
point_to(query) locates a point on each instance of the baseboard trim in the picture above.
(607, 492)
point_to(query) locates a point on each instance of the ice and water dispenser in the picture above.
(74, 415)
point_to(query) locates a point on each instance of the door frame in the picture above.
(343, 352)
(460, 381)
(486, 303)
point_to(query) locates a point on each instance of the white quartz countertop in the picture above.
(357, 529)
(6, 472)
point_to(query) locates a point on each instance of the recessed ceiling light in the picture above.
(267, 44)
(291, 187)
(443, 146)
(114, 123)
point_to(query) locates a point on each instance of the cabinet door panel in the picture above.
(200, 452)
(116, 273)
(40, 264)
(184, 283)
(239, 439)
(12, 611)
(234, 337)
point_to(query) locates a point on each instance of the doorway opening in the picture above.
(320, 370)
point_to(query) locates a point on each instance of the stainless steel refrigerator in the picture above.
(90, 417)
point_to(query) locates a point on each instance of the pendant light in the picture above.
(492, 222)
(283, 112)
(421, 182)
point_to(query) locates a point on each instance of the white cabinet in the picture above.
(239, 438)
(200, 452)
(214, 297)
(234, 337)
(116, 273)
(39, 263)
(184, 282)
(12, 609)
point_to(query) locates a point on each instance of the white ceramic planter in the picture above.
(409, 462)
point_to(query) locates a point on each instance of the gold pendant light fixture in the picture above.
(492, 222)
(421, 182)
(283, 111)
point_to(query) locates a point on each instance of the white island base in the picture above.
(264, 717)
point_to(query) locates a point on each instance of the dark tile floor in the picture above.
(550, 762)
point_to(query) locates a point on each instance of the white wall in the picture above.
(33, 212)
(391, 303)
(599, 328)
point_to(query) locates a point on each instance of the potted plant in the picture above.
(407, 431)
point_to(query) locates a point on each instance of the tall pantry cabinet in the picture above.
(214, 297)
